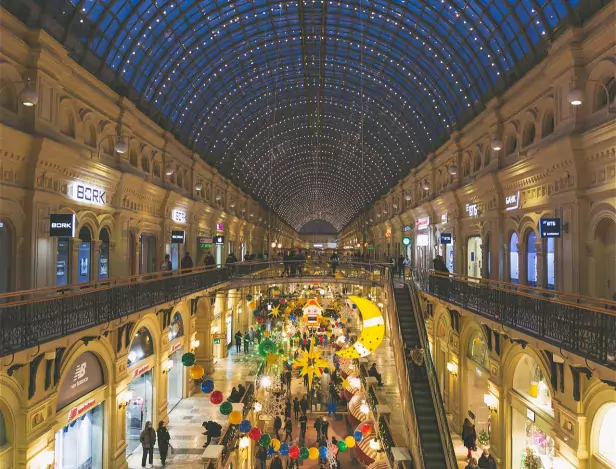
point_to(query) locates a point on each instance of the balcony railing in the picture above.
(581, 325)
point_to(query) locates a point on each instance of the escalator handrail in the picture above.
(439, 407)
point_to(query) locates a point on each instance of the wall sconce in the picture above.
(452, 368)
(491, 401)
(45, 459)
(167, 365)
(279, 245)
(273, 244)
(194, 344)
(125, 398)
(364, 408)
(375, 445)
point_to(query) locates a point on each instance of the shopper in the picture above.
(324, 427)
(276, 462)
(296, 408)
(238, 341)
(288, 430)
(439, 264)
(287, 409)
(261, 457)
(335, 260)
(163, 441)
(246, 342)
(469, 437)
(277, 426)
(472, 464)
(303, 403)
(375, 374)
(317, 427)
(187, 262)
(147, 439)
(401, 266)
(209, 259)
(487, 461)
(303, 423)
(165, 265)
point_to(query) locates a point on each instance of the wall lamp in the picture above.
(575, 96)
(27, 97)
(452, 170)
(496, 144)
(44, 459)
(452, 368)
(120, 146)
(491, 402)
(195, 344)
(125, 398)
(425, 186)
(167, 365)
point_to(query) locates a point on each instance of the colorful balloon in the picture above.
(254, 434)
(260, 320)
(366, 429)
(226, 408)
(265, 440)
(358, 436)
(350, 441)
(284, 449)
(342, 446)
(323, 452)
(294, 452)
(275, 443)
(313, 453)
(188, 359)
(304, 452)
(197, 372)
(216, 397)
(245, 426)
(207, 386)
(235, 417)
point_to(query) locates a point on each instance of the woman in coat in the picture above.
(469, 437)
(147, 439)
(163, 441)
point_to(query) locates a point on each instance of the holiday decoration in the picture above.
(372, 332)
(226, 408)
(216, 397)
(267, 346)
(284, 449)
(366, 429)
(350, 441)
(254, 434)
(313, 313)
(483, 438)
(304, 452)
(275, 312)
(294, 452)
(311, 363)
(249, 297)
(197, 372)
(235, 417)
(265, 440)
(207, 386)
(313, 453)
(188, 359)
(245, 426)
(323, 452)
(252, 305)
(275, 444)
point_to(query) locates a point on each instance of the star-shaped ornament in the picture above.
(311, 363)
(275, 312)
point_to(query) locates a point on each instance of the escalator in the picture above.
(434, 437)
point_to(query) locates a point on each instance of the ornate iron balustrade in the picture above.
(582, 328)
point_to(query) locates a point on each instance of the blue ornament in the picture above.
(358, 436)
(284, 449)
(256, 312)
(207, 386)
(245, 426)
(354, 306)
(323, 452)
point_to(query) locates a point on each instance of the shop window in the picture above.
(156, 171)
(486, 158)
(514, 276)
(142, 346)
(148, 254)
(6, 254)
(551, 263)
(603, 98)
(176, 328)
(531, 259)
(530, 382)
(475, 256)
(477, 350)
(84, 255)
(512, 145)
(62, 262)
(547, 127)
(529, 135)
(606, 435)
(186, 181)
(477, 165)
(8, 96)
(3, 435)
(103, 255)
(467, 168)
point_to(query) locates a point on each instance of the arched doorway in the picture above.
(475, 254)
(531, 403)
(514, 271)
(531, 259)
(175, 373)
(84, 255)
(6, 257)
(604, 435)
(147, 262)
(103, 255)
(605, 259)
(4, 440)
(477, 380)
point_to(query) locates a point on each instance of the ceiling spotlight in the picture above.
(575, 96)
(29, 96)
(453, 170)
(496, 144)
(426, 186)
(169, 170)
(198, 186)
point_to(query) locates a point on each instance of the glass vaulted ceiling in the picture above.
(316, 107)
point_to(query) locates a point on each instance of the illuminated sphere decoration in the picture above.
(216, 397)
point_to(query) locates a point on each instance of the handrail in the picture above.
(582, 330)
(555, 295)
(449, 450)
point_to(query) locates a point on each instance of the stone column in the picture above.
(73, 249)
(136, 246)
(505, 269)
(95, 251)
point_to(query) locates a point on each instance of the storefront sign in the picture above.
(219, 240)
(471, 209)
(549, 227)
(347, 247)
(82, 377)
(220, 227)
(446, 238)
(511, 201)
(62, 225)
(422, 223)
(205, 240)
(175, 346)
(139, 371)
(81, 409)
(406, 228)
(178, 216)
(87, 193)
(530, 415)
(406, 240)
(216, 341)
(445, 217)
(317, 245)
(423, 240)
(177, 237)
(370, 248)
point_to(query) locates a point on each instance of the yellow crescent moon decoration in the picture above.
(372, 332)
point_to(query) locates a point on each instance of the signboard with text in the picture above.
(446, 238)
(219, 240)
(549, 227)
(512, 201)
(177, 237)
(62, 225)
(422, 223)
(82, 192)
(178, 216)
(82, 377)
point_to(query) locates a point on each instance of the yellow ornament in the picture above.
(350, 441)
(275, 312)
(235, 417)
(266, 334)
(252, 305)
(275, 444)
(197, 372)
(272, 359)
(372, 332)
(313, 453)
(311, 363)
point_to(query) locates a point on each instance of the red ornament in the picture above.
(294, 452)
(260, 320)
(216, 397)
(283, 302)
(366, 429)
(321, 338)
(254, 434)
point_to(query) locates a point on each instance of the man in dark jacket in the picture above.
(324, 428)
(187, 262)
(335, 260)
(439, 264)
(303, 403)
(487, 461)
(238, 341)
(209, 259)
(277, 426)
(303, 424)
(276, 462)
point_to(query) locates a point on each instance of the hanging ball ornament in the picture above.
(366, 429)
(284, 449)
(245, 426)
(275, 444)
(197, 372)
(260, 320)
(342, 446)
(323, 452)
(226, 408)
(294, 452)
(313, 453)
(252, 305)
(265, 440)
(358, 435)
(235, 417)
(249, 297)
(207, 386)
(216, 397)
(304, 452)
(188, 359)
(254, 434)
(350, 441)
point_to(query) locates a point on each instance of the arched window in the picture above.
(6, 254)
(486, 157)
(133, 158)
(186, 181)
(605, 258)
(8, 96)
(528, 137)
(551, 264)
(531, 259)
(530, 381)
(512, 145)
(466, 172)
(602, 97)
(514, 276)
(145, 164)
(84, 255)
(605, 435)
(157, 169)
(103, 255)
(3, 432)
(142, 346)
(547, 126)
(176, 328)
(478, 350)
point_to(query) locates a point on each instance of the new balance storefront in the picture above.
(80, 415)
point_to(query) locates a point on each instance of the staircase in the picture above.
(436, 445)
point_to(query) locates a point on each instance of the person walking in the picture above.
(288, 430)
(303, 424)
(147, 440)
(303, 403)
(334, 260)
(296, 408)
(277, 426)
(209, 259)
(469, 437)
(276, 462)
(238, 341)
(324, 428)
(317, 427)
(287, 409)
(187, 262)
(401, 266)
(246, 342)
(375, 374)
(261, 457)
(407, 266)
(487, 461)
(163, 441)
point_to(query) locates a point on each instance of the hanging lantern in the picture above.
(226, 408)
(197, 372)
(235, 417)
